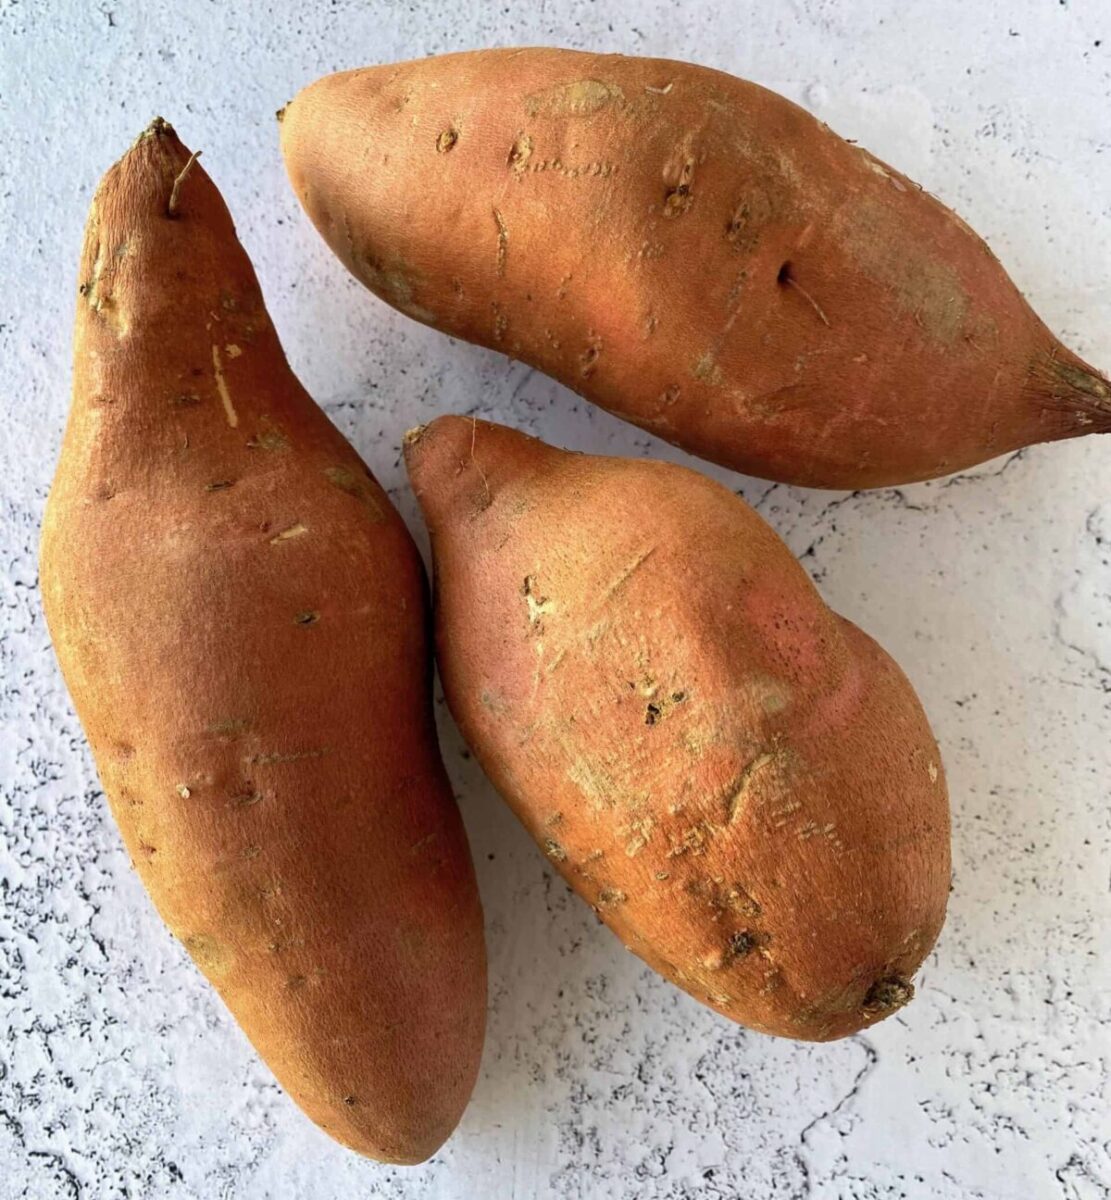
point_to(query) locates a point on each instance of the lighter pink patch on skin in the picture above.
(841, 706)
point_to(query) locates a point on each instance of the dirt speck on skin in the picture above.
(395, 283)
(268, 439)
(706, 369)
(347, 481)
(271, 757)
(742, 943)
(660, 707)
(229, 727)
(503, 243)
(638, 834)
(748, 220)
(588, 360)
(493, 701)
(677, 201)
(669, 395)
(519, 153)
(554, 850)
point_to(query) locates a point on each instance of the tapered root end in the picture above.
(459, 465)
(436, 456)
(1088, 390)
(404, 1137)
(417, 1147)
(316, 130)
(289, 118)
(160, 179)
(1076, 396)
(156, 176)
(158, 230)
(159, 127)
(887, 996)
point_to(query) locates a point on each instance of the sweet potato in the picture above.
(240, 616)
(741, 783)
(690, 251)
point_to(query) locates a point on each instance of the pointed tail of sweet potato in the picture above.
(458, 465)
(1073, 397)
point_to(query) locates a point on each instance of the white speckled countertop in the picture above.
(120, 1072)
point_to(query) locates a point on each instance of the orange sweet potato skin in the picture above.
(742, 783)
(240, 616)
(690, 251)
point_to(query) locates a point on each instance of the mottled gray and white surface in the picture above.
(120, 1072)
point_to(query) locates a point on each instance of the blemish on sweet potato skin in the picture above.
(888, 994)
(520, 153)
(208, 952)
(734, 777)
(357, 484)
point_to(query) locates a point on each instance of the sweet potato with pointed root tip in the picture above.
(241, 619)
(690, 251)
(741, 783)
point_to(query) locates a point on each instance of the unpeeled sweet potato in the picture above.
(692, 252)
(741, 782)
(240, 616)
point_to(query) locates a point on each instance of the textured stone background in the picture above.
(120, 1072)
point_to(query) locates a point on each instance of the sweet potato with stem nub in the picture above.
(241, 618)
(741, 783)
(692, 252)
